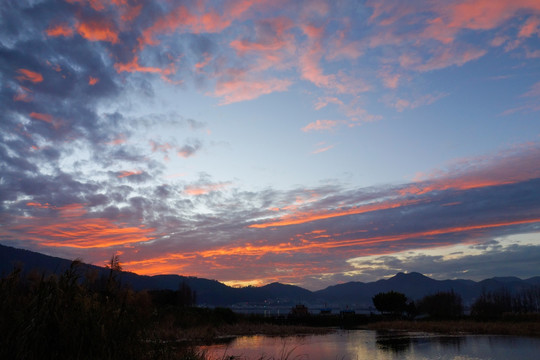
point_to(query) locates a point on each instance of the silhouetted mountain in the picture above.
(288, 292)
(533, 281)
(413, 285)
(213, 293)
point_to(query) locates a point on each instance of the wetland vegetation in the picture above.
(90, 316)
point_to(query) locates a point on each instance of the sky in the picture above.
(253, 141)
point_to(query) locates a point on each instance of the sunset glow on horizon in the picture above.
(253, 141)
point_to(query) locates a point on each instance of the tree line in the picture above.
(446, 305)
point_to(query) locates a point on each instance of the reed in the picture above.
(525, 327)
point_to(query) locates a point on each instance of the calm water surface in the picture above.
(366, 344)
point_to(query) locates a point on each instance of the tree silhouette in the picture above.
(442, 305)
(114, 267)
(390, 302)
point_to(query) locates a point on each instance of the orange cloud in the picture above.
(98, 30)
(46, 118)
(168, 264)
(449, 18)
(238, 7)
(120, 139)
(134, 66)
(130, 13)
(92, 80)
(272, 38)
(317, 247)
(211, 22)
(43, 117)
(95, 4)
(38, 205)
(204, 189)
(71, 210)
(304, 217)
(23, 95)
(181, 18)
(28, 75)
(60, 30)
(66, 211)
(129, 173)
(166, 24)
(89, 233)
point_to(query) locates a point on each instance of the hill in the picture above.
(213, 293)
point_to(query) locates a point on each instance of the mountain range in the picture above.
(213, 293)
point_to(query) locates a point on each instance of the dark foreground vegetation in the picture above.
(86, 316)
(78, 315)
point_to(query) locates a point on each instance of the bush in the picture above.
(390, 302)
(492, 304)
(442, 305)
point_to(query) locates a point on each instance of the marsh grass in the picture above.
(525, 326)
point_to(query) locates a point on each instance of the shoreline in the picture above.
(208, 334)
(460, 327)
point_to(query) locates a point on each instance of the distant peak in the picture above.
(413, 274)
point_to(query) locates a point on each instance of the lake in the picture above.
(369, 344)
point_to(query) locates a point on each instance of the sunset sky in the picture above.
(305, 142)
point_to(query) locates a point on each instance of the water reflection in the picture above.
(381, 345)
(392, 342)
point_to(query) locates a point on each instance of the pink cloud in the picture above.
(241, 89)
(447, 19)
(97, 5)
(442, 57)
(270, 35)
(530, 27)
(236, 8)
(322, 149)
(46, 118)
(270, 47)
(324, 101)
(507, 167)
(322, 125)
(165, 25)
(160, 147)
(341, 48)
(183, 19)
(127, 173)
(486, 14)
(403, 104)
(23, 94)
(389, 78)
(532, 103)
(534, 91)
(196, 190)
